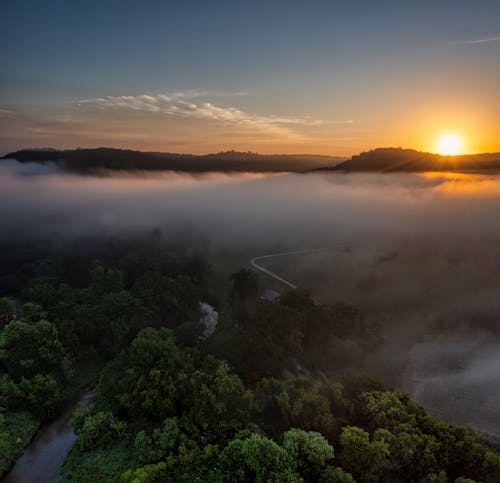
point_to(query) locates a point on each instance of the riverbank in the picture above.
(21, 429)
(42, 458)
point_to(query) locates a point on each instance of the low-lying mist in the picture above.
(420, 252)
(237, 210)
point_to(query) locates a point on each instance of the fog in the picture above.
(232, 210)
(419, 251)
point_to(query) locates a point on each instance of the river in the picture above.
(42, 458)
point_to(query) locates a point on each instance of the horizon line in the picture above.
(3, 154)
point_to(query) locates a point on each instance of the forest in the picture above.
(90, 160)
(410, 160)
(263, 398)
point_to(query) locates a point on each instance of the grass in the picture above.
(103, 464)
(223, 266)
(19, 429)
(219, 281)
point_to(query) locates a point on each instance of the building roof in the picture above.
(271, 295)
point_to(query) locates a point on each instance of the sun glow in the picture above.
(450, 144)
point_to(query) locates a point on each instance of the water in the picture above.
(42, 458)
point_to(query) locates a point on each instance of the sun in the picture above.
(450, 144)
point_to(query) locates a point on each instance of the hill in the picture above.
(120, 159)
(410, 160)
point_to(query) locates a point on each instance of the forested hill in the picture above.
(410, 160)
(119, 159)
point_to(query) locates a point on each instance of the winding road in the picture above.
(254, 263)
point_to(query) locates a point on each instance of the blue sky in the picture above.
(317, 76)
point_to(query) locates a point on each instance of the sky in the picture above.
(328, 77)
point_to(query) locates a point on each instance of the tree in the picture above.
(310, 450)
(298, 299)
(392, 410)
(366, 460)
(6, 311)
(164, 298)
(275, 333)
(304, 402)
(155, 379)
(163, 441)
(4, 444)
(257, 458)
(243, 293)
(332, 474)
(311, 410)
(113, 319)
(104, 280)
(421, 445)
(155, 473)
(27, 349)
(99, 429)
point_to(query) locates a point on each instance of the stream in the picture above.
(42, 458)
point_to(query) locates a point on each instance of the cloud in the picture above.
(476, 41)
(181, 104)
(196, 93)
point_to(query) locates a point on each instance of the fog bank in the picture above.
(419, 252)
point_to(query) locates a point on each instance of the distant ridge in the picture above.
(120, 159)
(410, 160)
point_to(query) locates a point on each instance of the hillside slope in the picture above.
(409, 160)
(119, 159)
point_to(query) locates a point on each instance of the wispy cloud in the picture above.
(197, 93)
(181, 104)
(476, 41)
